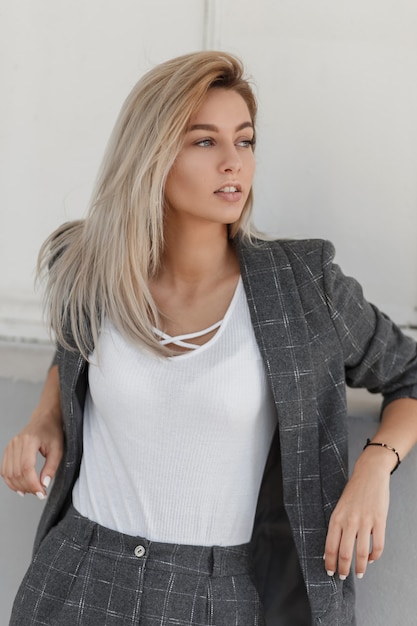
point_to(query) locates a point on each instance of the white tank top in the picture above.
(175, 448)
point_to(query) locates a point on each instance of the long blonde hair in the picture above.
(101, 266)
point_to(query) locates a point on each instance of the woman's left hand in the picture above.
(357, 525)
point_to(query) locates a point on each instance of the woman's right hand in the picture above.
(43, 434)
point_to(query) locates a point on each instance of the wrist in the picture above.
(378, 457)
(385, 446)
(46, 417)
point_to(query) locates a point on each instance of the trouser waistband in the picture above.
(177, 558)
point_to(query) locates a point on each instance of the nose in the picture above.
(230, 161)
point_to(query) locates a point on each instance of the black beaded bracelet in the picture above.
(384, 445)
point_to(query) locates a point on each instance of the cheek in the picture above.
(252, 165)
(248, 175)
(194, 164)
(182, 183)
(181, 173)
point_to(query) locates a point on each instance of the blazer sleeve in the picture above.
(377, 354)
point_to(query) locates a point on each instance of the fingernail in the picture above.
(330, 573)
(371, 562)
(324, 557)
(20, 493)
(360, 576)
(46, 482)
(40, 495)
(342, 577)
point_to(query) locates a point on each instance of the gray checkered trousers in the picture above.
(85, 574)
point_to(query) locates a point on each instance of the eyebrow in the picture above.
(213, 128)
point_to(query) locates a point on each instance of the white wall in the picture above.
(337, 152)
(67, 66)
(338, 130)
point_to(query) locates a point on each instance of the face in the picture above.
(212, 175)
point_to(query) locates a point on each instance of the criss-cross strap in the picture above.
(178, 340)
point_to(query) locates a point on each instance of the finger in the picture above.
(3, 464)
(4, 471)
(8, 464)
(378, 542)
(331, 550)
(6, 468)
(24, 466)
(363, 543)
(52, 460)
(346, 548)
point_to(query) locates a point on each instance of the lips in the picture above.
(230, 193)
(229, 189)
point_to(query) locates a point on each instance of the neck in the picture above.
(195, 256)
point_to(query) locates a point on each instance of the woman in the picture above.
(184, 340)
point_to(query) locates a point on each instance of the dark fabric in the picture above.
(87, 575)
(316, 332)
(274, 553)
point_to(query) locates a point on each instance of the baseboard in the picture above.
(21, 318)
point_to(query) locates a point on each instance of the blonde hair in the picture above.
(101, 266)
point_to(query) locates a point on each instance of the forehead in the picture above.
(222, 107)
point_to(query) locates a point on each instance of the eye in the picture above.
(204, 143)
(246, 143)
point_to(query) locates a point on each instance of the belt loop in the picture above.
(83, 528)
(219, 556)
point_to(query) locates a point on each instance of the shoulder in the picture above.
(297, 254)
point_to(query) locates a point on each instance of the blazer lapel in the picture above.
(282, 334)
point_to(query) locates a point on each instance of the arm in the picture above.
(379, 357)
(43, 433)
(361, 512)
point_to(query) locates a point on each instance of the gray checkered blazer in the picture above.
(316, 333)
